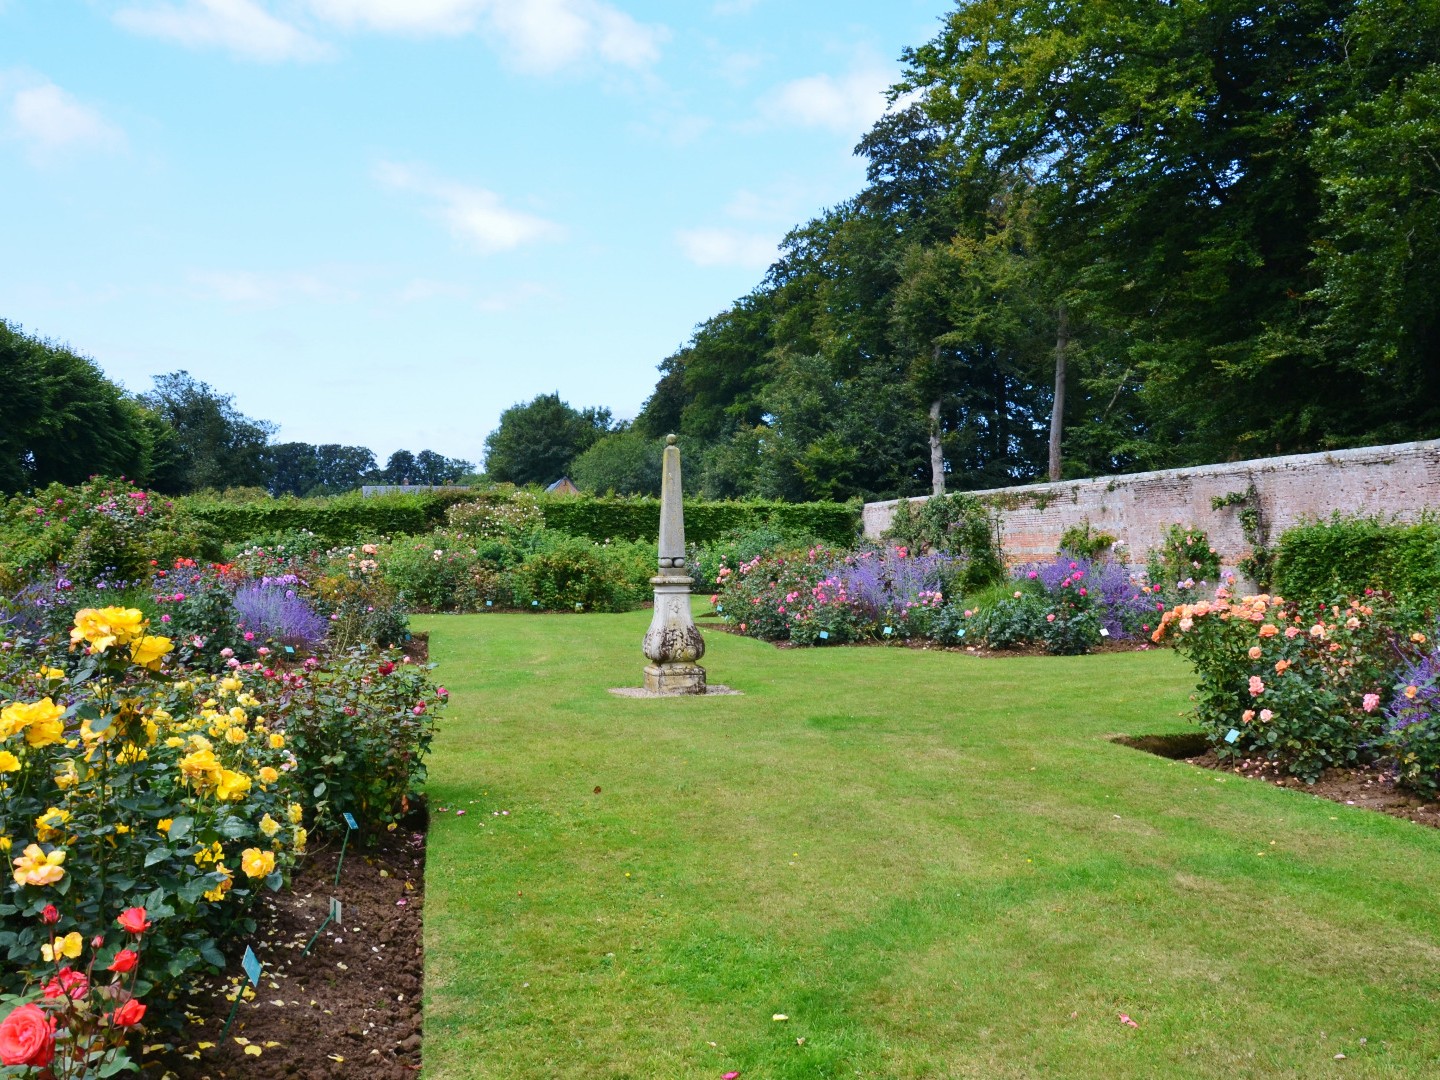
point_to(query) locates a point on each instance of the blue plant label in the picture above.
(290, 649)
(824, 635)
(335, 911)
(489, 603)
(349, 820)
(719, 607)
(889, 630)
(534, 603)
(1232, 735)
(251, 963)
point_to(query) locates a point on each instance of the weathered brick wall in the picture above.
(1400, 480)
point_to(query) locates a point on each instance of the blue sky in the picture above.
(382, 222)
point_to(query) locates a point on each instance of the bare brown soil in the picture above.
(351, 1007)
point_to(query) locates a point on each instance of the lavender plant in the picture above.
(272, 610)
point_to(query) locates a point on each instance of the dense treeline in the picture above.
(1097, 235)
(62, 421)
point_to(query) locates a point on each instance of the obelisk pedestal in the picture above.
(673, 643)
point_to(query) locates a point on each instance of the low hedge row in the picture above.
(352, 518)
(1345, 556)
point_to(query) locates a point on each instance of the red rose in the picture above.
(69, 981)
(133, 921)
(129, 1014)
(386, 668)
(51, 915)
(27, 1037)
(125, 961)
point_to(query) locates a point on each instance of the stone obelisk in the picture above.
(673, 643)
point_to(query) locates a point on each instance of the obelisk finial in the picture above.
(673, 643)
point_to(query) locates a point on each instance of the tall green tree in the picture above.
(62, 421)
(217, 446)
(536, 442)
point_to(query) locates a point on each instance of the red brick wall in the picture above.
(1400, 480)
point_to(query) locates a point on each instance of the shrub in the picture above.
(1184, 558)
(1087, 542)
(569, 574)
(957, 525)
(503, 514)
(1413, 720)
(137, 790)
(270, 610)
(1296, 685)
(1345, 556)
(360, 728)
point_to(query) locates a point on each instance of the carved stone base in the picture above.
(675, 679)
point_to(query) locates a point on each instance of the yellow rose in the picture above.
(232, 785)
(214, 853)
(235, 736)
(230, 684)
(257, 863)
(68, 947)
(51, 824)
(200, 768)
(300, 837)
(51, 674)
(268, 775)
(148, 651)
(163, 825)
(295, 812)
(8, 762)
(269, 826)
(277, 741)
(132, 755)
(174, 741)
(41, 721)
(66, 777)
(107, 626)
(35, 867)
(121, 828)
(5, 843)
(217, 894)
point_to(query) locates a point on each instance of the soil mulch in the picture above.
(349, 1008)
(1370, 787)
(1028, 649)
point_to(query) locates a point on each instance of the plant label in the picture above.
(534, 603)
(290, 649)
(335, 911)
(489, 603)
(251, 963)
(889, 630)
(1104, 632)
(349, 820)
(1232, 735)
(824, 635)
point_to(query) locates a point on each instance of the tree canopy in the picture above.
(536, 442)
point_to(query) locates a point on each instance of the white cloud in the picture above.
(849, 103)
(539, 35)
(48, 121)
(244, 27)
(727, 247)
(474, 214)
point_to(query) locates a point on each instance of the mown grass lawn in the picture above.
(934, 865)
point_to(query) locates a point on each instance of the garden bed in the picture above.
(351, 1007)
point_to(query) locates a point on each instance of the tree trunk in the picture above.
(937, 455)
(1057, 413)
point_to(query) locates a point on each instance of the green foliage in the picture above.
(957, 525)
(215, 445)
(1346, 555)
(1084, 539)
(98, 528)
(537, 442)
(1184, 555)
(635, 519)
(344, 519)
(62, 421)
(568, 573)
(621, 463)
(360, 727)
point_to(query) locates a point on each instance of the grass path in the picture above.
(936, 866)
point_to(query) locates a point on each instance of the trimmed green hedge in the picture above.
(1347, 555)
(350, 518)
